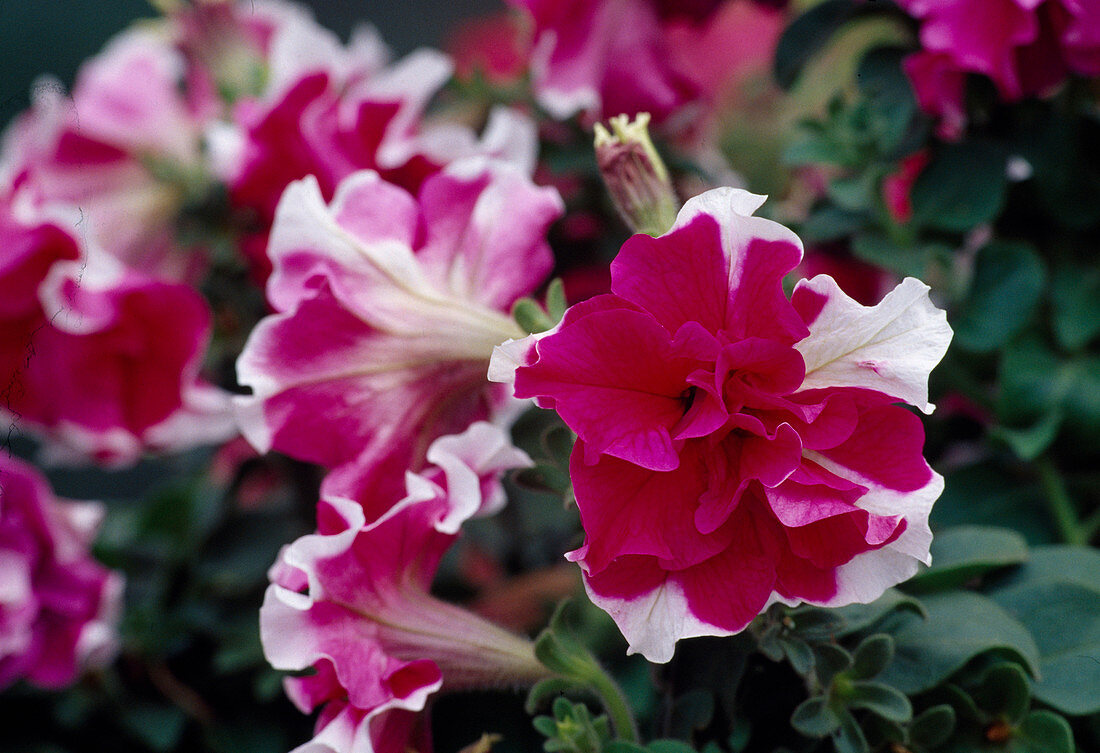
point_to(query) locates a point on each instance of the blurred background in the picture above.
(54, 37)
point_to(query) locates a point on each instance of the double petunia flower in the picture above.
(735, 447)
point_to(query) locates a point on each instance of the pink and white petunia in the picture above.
(388, 309)
(328, 109)
(125, 147)
(100, 359)
(58, 606)
(736, 448)
(352, 602)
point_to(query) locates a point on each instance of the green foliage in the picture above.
(1009, 279)
(964, 553)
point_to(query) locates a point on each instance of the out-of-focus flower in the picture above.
(604, 58)
(304, 104)
(388, 308)
(101, 358)
(1026, 47)
(613, 57)
(352, 602)
(125, 148)
(58, 606)
(736, 448)
(897, 186)
(495, 47)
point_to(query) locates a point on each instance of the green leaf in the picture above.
(1003, 692)
(692, 711)
(159, 727)
(960, 626)
(808, 34)
(670, 746)
(881, 699)
(1065, 620)
(860, 617)
(963, 186)
(872, 656)
(990, 493)
(1008, 283)
(1031, 442)
(1043, 732)
(1060, 563)
(543, 690)
(831, 223)
(877, 248)
(814, 717)
(893, 105)
(933, 726)
(1075, 300)
(799, 654)
(854, 193)
(849, 738)
(963, 553)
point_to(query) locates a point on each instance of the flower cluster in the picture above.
(736, 448)
(1026, 48)
(58, 606)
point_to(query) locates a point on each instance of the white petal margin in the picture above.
(652, 623)
(890, 347)
(868, 575)
(733, 209)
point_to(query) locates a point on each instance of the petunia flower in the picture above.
(126, 147)
(352, 602)
(736, 448)
(327, 109)
(58, 606)
(388, 309)
(1025, 47)
(101, 360)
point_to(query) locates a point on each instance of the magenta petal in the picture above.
(629, 510)
(729, 589)
(613, 377)
(678, 278)
(886, 449)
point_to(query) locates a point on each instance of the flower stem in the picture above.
(614, 702)
(1059, 503)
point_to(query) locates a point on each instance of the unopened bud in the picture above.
(635, 176)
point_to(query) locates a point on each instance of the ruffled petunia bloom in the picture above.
(100, 359)
(327, 109)
(1026, 47)
(126, 147)
(58, 606)
(388, 309)
(352, 602)
(735, 447)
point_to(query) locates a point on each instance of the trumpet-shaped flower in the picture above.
(352, 602)
(58, 606)
(736, 448)
(388, 308)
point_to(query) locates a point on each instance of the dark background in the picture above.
(46, 36)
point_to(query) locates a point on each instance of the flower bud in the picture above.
(635, 176)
